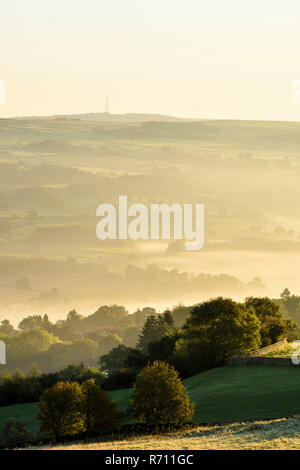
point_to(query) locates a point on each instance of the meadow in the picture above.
(223, 397)
(278, 434)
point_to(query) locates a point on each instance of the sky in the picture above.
(234, 59)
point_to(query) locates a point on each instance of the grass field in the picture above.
(274, 434)
(287, 351)
(222, 396)
(26, 413)
(234, 394)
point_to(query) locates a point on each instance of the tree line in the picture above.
(191, 339)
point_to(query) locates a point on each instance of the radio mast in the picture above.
(106, 106)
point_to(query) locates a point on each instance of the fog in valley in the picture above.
(55, 172)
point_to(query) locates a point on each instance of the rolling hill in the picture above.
(109, 117)
(222, 396)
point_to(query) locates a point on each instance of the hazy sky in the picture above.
(191, 58)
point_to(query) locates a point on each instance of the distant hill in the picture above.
(108, 117)
(249, 136)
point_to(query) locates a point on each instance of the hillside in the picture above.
(90, 131)
(109, 117)
(222, 396)
(235, 394)
(230, 394)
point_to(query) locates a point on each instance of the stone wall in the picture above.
(257, 357)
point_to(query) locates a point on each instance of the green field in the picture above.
(26, 413)
(223, 395)
(234, 394)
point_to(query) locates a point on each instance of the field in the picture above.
(222, 396)
(273, 435)
(26, 413)
(285, 352)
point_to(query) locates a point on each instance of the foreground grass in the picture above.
(275, 434)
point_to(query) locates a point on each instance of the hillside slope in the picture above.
(223, 395)
(234, 394)
(230, 394)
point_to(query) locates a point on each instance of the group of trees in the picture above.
(159, 398)
(213, 331)
(175, 344)
(16, 387)
(68, 408)
(191, 339)
(53, 346)
(73, 403)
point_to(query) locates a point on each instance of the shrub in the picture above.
(100, 414)
(160, 397)
(60, 409)
(13, 432)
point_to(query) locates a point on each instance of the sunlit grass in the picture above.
(275, 434)
(287, 351)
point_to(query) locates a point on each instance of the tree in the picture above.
(7, 328)
(168, 321)
(217, 329)
(140, 316)
(74, 319)
(18, 374)
(273, 325)
(180, 314)
(285, 294)
(31, 322)
(159, 397)
(108, 342)
(100, 414)
(155, 327)
(291, 303)
(104, 316)
(163, 349)
(34, 371)
(13, 432)
(79, 373)
(136, 359)
(60, 410)
(114, 360)
(29, 343)
(47, 325)
(66, 332)
(131, 337)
